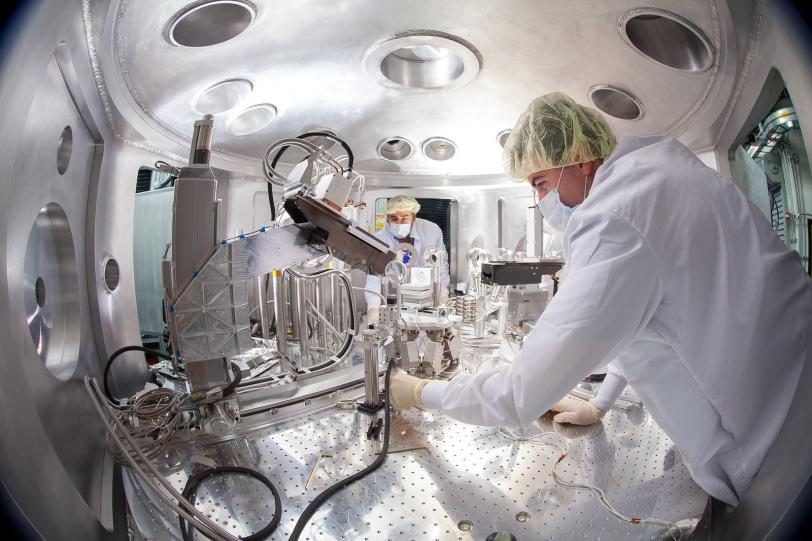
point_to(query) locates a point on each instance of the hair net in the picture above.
(555, 131)
(402, 203)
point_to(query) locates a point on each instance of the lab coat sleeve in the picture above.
(373, 283)
(612, 289)
(610, 389)
(445, 278)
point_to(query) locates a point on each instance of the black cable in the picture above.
(189, 492)
(307, 514)
(118, 352)
(328, 135)
(229, 389)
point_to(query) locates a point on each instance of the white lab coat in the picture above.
(676, 277)
(424, 234)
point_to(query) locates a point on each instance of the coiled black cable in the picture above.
(307, 514)
(307, 135)
(113, 357)
(190, 490)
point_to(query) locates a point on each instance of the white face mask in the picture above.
(400, 231)
(556, 213)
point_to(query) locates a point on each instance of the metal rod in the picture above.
(281, 318)
(191, 514)
(300, 316)
(371, 387)
(263, 308)
(323, 319)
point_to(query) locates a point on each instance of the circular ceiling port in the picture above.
(395, 149)
(439, 148)
(51, 292)
(502, 137)
(112, 274)
(63, 150)
(616, 102)
(667, 38)
(205, 23)
(222, 96)
(422, 60)
(252, 119)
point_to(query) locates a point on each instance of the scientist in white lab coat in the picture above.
(672, 276)
(403, 226)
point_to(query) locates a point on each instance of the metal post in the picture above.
(436, 285)
(281, 318)
(479, 323)
(259, 281)
(300, 317)
(336, 306)
(321, 307)
(371, 388)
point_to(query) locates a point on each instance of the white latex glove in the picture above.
(577, 412)
(404, 390)
(443, 297)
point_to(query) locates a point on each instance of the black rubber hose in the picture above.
(344, 145)
(115, 355)
(229, 389)
(189, 492)
(307, 514)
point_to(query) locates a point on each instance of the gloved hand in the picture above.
(577, 412)
(443, 297)
(404, 390)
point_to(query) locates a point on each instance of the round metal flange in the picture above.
(667, 38)
(209, 22)
(395, 149)
(616, 102)
(422, 60)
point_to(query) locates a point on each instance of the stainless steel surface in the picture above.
(52, 292)
(667, 38)
(438, 148)
(366, 107)
(222, 96)
(262, 306)
(446, 473)
(616, 102)
(280, 316)
(395, 148)
(106, 69)
(205, 23)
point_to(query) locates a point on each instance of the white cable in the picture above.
(599, 494)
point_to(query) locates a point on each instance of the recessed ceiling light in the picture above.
(252, 119)
(439, 148)
(667, 38)
(395, 148)
(616, 102)
(222, 96)
(201, 24)
(422, 60)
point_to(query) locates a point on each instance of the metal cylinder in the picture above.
(336, 305)
(200, 152)
(281, 317)
(436, 285)
(321, 305)
(372, 355)
(300, 317)
(479, 323)
(262, 305)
